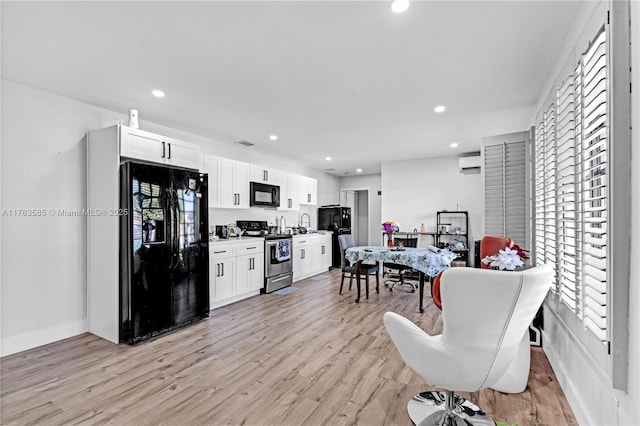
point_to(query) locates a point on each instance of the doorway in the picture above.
(358, 201)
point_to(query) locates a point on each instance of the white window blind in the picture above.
(594, 179)
(505, 187)
(571, 190)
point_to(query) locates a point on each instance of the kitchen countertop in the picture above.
(311, 234)
(233, 240)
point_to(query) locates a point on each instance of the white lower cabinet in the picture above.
(301, 258)
(311, 255)
(236, 270)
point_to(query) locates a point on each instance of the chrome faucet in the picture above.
(308, 220)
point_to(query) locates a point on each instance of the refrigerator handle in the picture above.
(176, 234)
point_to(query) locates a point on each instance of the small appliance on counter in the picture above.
(222, 231)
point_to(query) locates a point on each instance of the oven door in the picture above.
(277, 257)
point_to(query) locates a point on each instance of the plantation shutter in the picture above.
(594, 185)
(571, 192)
(549, 192)
(506, 193)
(566, 196)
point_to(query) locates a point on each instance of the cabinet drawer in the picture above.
(249, 247)
(221, 251)
(303, 241)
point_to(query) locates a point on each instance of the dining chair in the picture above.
(484, 342)
(401, 270)
(346, 241)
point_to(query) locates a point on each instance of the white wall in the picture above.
(587, 387)
(373, 184)
(414, 190)
(43, 295)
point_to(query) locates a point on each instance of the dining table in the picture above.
(427, 261)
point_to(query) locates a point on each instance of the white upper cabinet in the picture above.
(288, 191)
(211, 166)
(228, 182)
(233, 184)
(143, 145)
(263, 175)
(308, 190)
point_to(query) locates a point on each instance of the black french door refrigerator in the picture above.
(164, 250)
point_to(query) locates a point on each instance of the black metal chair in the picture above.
(346, 241)
(401, 270)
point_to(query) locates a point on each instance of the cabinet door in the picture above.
(257, 273)
(308, 190)
(138, 144)
(222, 274)
(226, 172)
(326, 253)
(301, 262)
(244, 269)
(263, 175)
(288, 191)
(241, 184)
(183, 154)
(210, 166)
(292, 192)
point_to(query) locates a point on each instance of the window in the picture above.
(580, 198)
(571, 174)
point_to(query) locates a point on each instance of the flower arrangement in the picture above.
(506, 258)
(389, 227)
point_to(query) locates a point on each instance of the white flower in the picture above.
(505, 259)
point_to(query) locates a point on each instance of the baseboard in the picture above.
(22, 342)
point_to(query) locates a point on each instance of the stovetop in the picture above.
(259, 227)
(277, 236)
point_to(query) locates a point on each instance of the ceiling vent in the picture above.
(245, 143)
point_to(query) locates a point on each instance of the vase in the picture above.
(390, 240)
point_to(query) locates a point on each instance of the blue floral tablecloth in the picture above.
(424, 260)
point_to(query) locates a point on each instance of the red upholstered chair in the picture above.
(489, 245)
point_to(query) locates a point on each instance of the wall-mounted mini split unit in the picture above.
(470, 164)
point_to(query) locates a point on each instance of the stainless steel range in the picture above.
(278, 250)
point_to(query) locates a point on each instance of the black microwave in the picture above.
(264, 195)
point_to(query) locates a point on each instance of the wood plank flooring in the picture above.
(310, 357)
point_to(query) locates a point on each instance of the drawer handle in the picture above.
(251, 248)
(218, 252)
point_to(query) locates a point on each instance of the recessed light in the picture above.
(359, 170)
(399, 6)
(158, 93)
(273, 137)
(454, 145)
(440, 108)
(327, 158)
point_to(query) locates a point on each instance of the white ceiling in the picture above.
(350, 80)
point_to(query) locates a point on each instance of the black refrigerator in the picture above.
(338, 220)
(164, 250)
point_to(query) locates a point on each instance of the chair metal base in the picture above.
(430, 409)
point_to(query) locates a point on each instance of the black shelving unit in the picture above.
(452, 229)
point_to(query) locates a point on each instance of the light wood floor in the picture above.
(310, 357)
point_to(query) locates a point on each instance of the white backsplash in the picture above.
(227, 216)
